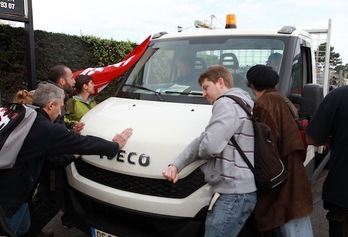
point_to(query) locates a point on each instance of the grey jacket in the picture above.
(225, 170)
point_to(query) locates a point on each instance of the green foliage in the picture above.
(343, 68)
(339, 68)
(334, 57)
(108, 51)
(12, 48)
(76, 52)
(52, 49)
(12, 56)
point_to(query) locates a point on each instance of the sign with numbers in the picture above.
(13, 7)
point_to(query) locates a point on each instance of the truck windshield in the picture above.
(170, 67)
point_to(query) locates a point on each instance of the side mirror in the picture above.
(312, 95)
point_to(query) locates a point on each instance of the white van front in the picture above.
(127, 195)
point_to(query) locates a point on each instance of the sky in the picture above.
(135, 20)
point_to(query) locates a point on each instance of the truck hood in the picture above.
(154, 143)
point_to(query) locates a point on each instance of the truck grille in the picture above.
(126, 222)
(147, 186)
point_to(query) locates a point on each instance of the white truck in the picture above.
(127, 195)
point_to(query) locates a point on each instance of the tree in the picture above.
(341, 67)
(334, 57)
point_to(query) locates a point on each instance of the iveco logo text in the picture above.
(132, 158)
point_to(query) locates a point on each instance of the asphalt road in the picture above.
(319, 222)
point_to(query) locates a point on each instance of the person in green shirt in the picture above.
(79, 104)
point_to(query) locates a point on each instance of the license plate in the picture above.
(99, 233)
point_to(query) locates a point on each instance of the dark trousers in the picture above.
(48, 200)
(338, 220)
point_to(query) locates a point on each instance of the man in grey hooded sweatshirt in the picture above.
(232, 182)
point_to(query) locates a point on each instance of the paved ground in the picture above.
(319, 222)
(59, 231)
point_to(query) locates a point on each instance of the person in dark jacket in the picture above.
(329, 127)
(50, 197)
(44, 139)
(287, 207)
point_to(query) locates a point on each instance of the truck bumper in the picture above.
(87, 212)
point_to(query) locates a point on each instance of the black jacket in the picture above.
(44, 139)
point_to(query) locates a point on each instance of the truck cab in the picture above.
(127, 195)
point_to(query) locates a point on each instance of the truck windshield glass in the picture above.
(173, 66)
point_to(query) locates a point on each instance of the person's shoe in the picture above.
(46, 234)
(65, 222)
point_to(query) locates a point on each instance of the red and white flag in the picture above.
(102, 76)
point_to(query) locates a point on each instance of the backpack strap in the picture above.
(296, 118)
(234, 142)
(241, 103)
(242, 154)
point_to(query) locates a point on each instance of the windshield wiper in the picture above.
(184, 93)
(158, 94)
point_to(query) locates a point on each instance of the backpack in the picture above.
(15, 123)
(268, 169)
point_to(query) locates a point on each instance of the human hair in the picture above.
(251, 86)
(81, 80)
(46, 93)
(213, 73)
(57, 72)
(24, 97)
